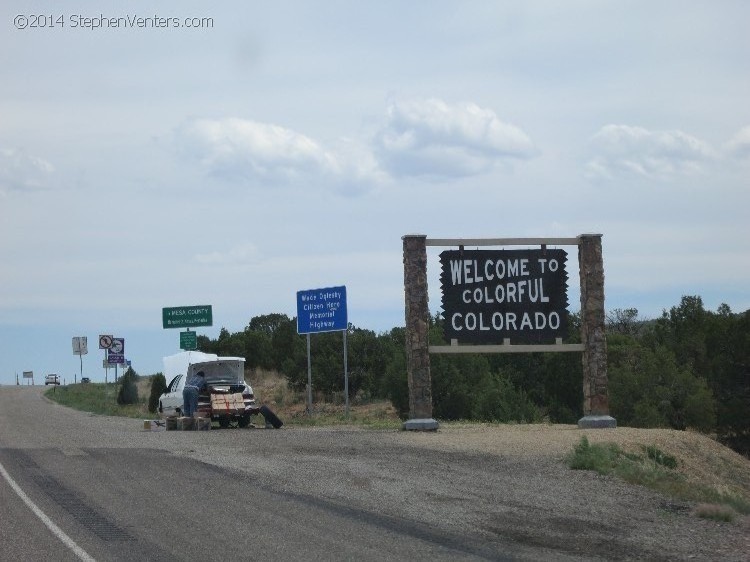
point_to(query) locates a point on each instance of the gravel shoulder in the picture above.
(503, 483)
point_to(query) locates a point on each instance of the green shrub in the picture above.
(128, 393)
(158, 386)
(600, 458)
(655, 471)
(660, 457)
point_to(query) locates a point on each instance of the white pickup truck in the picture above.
(223, 375)
(51, 379)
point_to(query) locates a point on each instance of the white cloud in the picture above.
(622, 150)
(739, 145)
(265, 153)
(419, 138)
(241, 147)
(21, 171)
(433, 138)
(241, 254)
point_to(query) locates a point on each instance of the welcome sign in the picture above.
(492, 295)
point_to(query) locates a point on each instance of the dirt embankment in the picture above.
(700, 459)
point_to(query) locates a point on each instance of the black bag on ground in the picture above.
(270, 417)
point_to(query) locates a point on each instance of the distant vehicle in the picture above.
(223, 375)
(85, 380)
(51, 379)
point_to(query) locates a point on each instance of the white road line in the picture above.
(57, 531)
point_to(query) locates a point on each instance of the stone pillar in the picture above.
(595, 392)
(417, 325)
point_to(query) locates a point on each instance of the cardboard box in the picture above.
(171, 424)
(185, 424)
(227, 403)
(154, 425)
(202, 424)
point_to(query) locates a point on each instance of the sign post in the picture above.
(323, 310)
(491, 298)
(80, 348)
(187, 317)
(105, 342)
(116, 353)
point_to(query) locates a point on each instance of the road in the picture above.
(119, 493)
(81, 487)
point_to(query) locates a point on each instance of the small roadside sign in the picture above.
(188, 340)
(117, 346)
(80, 346)
(323, 310)
(115, 358)
(105, 341)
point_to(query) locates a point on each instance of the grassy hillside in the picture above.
(270, 388)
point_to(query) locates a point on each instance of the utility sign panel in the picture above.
(80, 346)
(115, 358)
(321, 310)
(491, 295)
(116, 351)
(188, 341)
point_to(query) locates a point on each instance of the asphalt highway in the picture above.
(76, 486)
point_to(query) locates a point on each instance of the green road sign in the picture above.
(187, 316)
(188, 341)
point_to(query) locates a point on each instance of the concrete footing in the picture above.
(597, 422)
(427, 424)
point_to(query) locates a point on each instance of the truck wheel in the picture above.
(244, 421)
(223, 423)
(270, 417)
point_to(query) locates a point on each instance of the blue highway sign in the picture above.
(321, 310)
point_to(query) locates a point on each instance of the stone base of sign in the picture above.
(425, 424)
(597, 422)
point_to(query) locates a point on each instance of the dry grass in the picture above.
(291, 406)
(144, 389)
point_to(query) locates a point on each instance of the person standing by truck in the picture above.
(190, 394)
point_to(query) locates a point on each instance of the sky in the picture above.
(181, 153)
